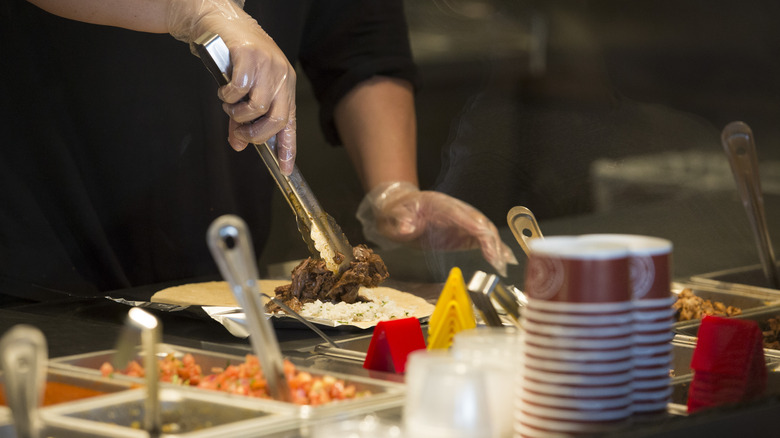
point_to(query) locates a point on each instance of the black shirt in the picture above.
(115, 158)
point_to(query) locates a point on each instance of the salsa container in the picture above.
(383, 393)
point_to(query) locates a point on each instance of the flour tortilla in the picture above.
(217, 293)
(211, 293)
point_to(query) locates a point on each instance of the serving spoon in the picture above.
(737, 139)
(230, 244)
(23, 356)
(524, 226)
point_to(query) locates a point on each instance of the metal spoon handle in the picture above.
(738, 142)
(23, 356)
(524, 226)
(230, 244)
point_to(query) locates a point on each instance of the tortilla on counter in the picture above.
(217, 293)
(210, 293)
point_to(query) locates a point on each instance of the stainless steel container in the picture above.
(382, 393)
(744, 278)
(745, 298)
(185, 413)
(759, 314)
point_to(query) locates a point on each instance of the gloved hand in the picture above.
(400, 212)
(260, 98)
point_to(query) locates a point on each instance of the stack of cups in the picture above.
(577, 353)
(650, 268)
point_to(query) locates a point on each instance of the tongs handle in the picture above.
(230, 244)
(23, 356)
(309, 214)
(738, 142)
(491, 288)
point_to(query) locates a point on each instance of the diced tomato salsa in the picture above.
(245, 378)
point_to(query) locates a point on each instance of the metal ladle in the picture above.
(737, 139)
(230, 244)
(524, 226)
(23, 356)
(142, 327)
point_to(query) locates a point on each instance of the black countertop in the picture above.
(709, 233)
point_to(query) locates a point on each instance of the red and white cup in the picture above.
(577, 354)
(650, 268)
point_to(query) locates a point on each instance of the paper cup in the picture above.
(561, 426)
(575, 391)
(655, 315)
(578, 319)
(584, 404)
(583, 355)
(600, 308)
(533, 328)
(576, 415)
(650, 263)
(578, 379)
(553, 342)
(572, 367)
(567, 269)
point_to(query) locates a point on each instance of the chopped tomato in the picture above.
(245, 378)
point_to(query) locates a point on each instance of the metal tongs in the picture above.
(737, 139)
(485, 288)
(23, 357)
(322, 235)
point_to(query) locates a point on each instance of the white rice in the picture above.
(380, 309)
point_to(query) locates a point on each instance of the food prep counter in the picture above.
(709, 235)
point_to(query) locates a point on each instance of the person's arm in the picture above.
(260, 98)
(377, 124)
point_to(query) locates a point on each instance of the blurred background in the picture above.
(569, 107)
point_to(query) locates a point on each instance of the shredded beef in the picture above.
(312, 280)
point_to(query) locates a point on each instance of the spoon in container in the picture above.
(230, 244)
(142, 327)
(23, 356)
(738, 142)
(524, 226)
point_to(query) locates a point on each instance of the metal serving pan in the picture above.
(745, 278)
(63, 386)
(682, 354)
(185, 413)
(760, 314)
(383, 393)
(678, 403)
(746, 299)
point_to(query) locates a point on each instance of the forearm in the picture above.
(376, 122)
(140, 15)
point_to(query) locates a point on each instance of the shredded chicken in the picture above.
(771, 329)
(690, 306)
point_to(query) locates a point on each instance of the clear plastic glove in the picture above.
(260, 98)
(399, 212)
